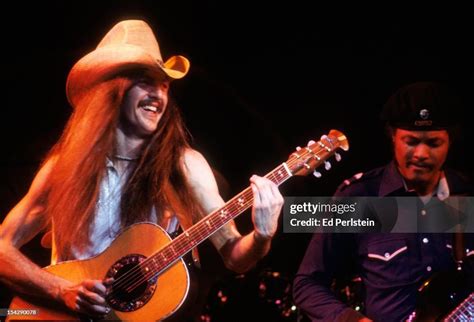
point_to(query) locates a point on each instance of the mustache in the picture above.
(151, 101)
(420, 164)
(156, 102)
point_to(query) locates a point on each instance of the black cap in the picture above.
(423, 106)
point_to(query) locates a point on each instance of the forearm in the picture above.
(25, 277)
(242, 253)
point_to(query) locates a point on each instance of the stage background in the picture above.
(264, 79)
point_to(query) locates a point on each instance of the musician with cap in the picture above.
(421, 120)
(124, 157)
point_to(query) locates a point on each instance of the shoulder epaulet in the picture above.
(352, 179)
(363, 178)
(348, 182)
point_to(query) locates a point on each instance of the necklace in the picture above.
(125, 158)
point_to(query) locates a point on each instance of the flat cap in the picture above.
(423, 106)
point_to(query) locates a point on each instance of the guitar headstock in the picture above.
(305, 160)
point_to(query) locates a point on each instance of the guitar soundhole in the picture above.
(133, 285)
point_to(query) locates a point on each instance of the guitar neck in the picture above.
(208, 225)
(463, 311)
(300, 162)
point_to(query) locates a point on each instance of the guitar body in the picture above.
(171, 286)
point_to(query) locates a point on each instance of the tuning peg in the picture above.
(311, 142)
(298, 148)
(327, 165)
(324, 137)
(317, 174)
(337, 156)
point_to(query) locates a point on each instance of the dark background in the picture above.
(263, 80)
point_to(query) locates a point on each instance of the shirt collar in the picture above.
(109, 163)
(443, 188)
(392, 181)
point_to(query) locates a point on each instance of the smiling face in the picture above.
(143, 106)
(420, 155)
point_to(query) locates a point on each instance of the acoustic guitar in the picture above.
(151, 280)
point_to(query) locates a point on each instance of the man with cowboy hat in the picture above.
(421, 120)
(123, 158)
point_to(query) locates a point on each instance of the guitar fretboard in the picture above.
(208, 225)
(301, 162)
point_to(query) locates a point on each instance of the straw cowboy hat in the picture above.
(128, 45)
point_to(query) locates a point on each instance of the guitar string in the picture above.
(133, 283)
(150, 275)
(181, 244)
(196, 232)
(138, 270)
(201, 235)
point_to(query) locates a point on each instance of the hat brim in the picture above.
(104, 63)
